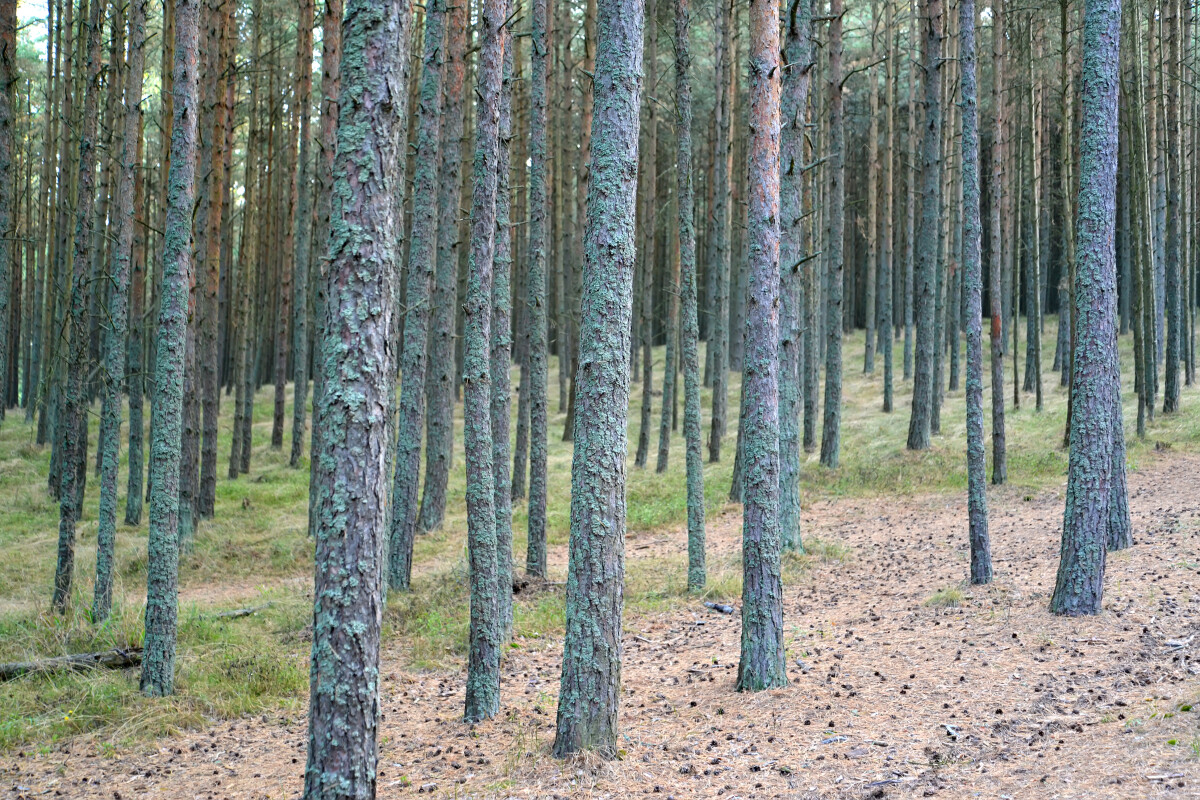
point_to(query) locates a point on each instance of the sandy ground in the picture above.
(894, 697)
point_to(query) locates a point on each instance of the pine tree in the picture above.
(719, 263)
(118, 315)
(411, 416)
(834, 244)
(589, 696)
(797, 52)
(1095, 481)
(303, 232)
(996, 257)
(354, 411)
(162, 569)
(9, 263)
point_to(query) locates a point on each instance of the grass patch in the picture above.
(949, 597)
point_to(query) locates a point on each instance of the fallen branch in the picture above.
(76, 662)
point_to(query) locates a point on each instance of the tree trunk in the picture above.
(591, 669)
(420, 285)
(649, 208)
(718, 340)
(158, 662)
(303, 232)
(995, 267)
(358, 391)
(831, 428)
(1095, 480)
(118, 316)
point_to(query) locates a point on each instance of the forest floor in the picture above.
(905, 682)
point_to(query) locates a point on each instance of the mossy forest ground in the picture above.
(906, 682)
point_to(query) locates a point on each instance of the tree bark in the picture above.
(834, 244)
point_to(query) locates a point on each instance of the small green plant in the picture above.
(949, 597)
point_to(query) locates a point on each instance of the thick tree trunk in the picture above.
(1095, 480)
(158, 662)
(762, 664)
(589, 697)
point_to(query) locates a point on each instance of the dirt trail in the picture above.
(896, 697)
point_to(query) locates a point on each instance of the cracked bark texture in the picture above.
(762, 664)
(355, 409)
(166, 424)
(411, 415)
(589, 695)
(1095, 483)
(794, 105)
(981, 557)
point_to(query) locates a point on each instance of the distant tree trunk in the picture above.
(535, 556)
(440, 379)
(911, 192)
(648, 196)
(834, 243)
(797, 52)
(162, 569)
(589, 697)
(286, 295)
(996, 257)
(1033, 283)
(1095, 480)
(872, 232)
(690, 328)
(73, 463)
(487, 622)
(9, 263)
(981, 557)
(354, 412)
(303, 232)
(718, 340)
(887, 264)
(118, 316)
(420, 285)
(927, 232)
(762, 664)
(136, 367)
(1174, 260)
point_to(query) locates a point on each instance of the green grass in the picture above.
(256, 549)
(948, 597)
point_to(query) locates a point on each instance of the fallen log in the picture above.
(76, 662)
(238, 612)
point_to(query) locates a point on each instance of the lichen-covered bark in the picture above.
(589, 695)
(995, 266)
(797, 52)
(719, 263)
(834, 243)
(972, 266)
(118, 316)
(439, 386)
(73, 461)
(303, 233)
(158, 659)
(501, 350)
(1093, 485)
(411, 416)
(487, 629)
(536, 322)
(762, 664)
(136, 378)
(355, 405)
(689, 322)
(926, 241)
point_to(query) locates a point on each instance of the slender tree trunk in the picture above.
(136, 368)
(1172, 267)
(303, 232)
(591, 669)
(9, 264)
(887, 268)
(162, 597)
(649, 208)
(995, 267)
(535, 556)
(1095, 479)
(872, 233)
(831, 428)
(118, 316)
(73, 462)
(927, 233)
(440, 380)
(718, 340)
(421, 262)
